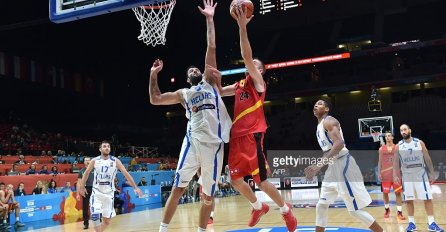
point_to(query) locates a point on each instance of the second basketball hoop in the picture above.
(376, 136)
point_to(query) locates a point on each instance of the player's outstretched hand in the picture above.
(396, 180)
(209, 8)
(311, 171)
(82, 191)
(138, 192)
(157, 66)
(241, 17)
(432, 179)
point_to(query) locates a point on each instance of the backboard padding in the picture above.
(62, 11)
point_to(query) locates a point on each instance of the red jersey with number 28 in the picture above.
(249, 116)
(387, 163)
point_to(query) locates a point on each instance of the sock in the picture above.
(284, 209)
(256, 205)
(212, 214)
(430, 219)
(411, 219)
(201, 230)
(17, 219)
(399, 208)
(4, 221)
(386, 206)
(163, 227)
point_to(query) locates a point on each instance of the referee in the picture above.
(86, 199)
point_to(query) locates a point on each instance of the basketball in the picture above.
(246, 4)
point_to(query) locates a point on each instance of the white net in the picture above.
(375, 136)
(154, 20)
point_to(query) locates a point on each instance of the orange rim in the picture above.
(157, 7)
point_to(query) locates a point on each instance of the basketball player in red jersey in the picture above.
(385, 170)
(246, 155)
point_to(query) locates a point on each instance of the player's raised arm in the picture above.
(209, 11)
(428, 160)
(90, 167)
(128, 177)
(156, 97)
(228, 90)
(213, 77)
(396, 164)
(246, 50)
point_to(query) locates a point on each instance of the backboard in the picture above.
(367, 126)
(69, 10)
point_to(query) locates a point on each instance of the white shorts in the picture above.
(101, 203)
(417, 182)
(195, 154)
(344, 178)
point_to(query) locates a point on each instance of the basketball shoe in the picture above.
(257, 214)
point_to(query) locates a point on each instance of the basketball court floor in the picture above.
(232, 214)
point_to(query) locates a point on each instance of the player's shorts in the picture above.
(344, 178)
(246, 157)
(417, 182)
(195, 154)
(101, 203)
(387, 185)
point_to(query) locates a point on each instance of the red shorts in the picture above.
(387, 185)
(246, 157)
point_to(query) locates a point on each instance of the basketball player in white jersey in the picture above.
(413, 156)
(207, 130)
(343, 176)
(105, 167)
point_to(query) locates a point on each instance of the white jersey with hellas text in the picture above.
(411, 156)
(209, 120)
(104, 174)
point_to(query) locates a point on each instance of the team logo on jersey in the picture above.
(201, 97)
(195, 109)
(111, 164)
(244, 96)
(242, 83)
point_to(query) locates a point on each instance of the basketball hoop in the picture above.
(154, 20)
(375, 136)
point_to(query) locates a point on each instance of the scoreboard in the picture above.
(277, 6)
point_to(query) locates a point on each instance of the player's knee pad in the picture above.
(96, 218)
(363, 216)
(322, 214)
